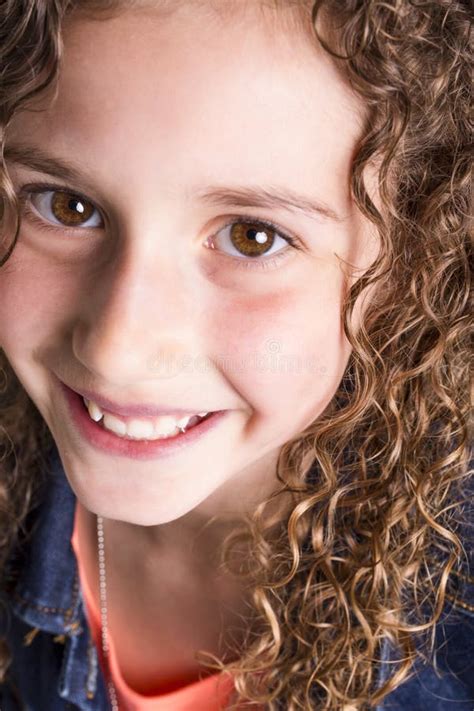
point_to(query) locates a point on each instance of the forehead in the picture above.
(294, 13)
(164, 89)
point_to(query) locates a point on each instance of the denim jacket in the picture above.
(55, 663)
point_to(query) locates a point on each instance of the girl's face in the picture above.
(175, 128)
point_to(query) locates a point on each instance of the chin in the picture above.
(134, 512)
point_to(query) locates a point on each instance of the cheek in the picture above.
(284, 352)
(20, 293)
(33, 301)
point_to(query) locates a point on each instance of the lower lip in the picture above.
(106, 441)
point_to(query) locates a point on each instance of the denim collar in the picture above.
(47, 595)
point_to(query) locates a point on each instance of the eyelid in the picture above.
(40, 187)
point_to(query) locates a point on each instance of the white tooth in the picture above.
(184, 421)
(140, 429)
(165, 425)
(114, 424)
(94, 411)
(155, 428)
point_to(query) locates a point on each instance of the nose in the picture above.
(138, 319)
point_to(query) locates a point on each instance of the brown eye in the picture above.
(251, 238)
(70, 209)
(65, 208)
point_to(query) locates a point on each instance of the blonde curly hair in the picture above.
(364, 552)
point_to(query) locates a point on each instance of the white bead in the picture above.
(103, 609)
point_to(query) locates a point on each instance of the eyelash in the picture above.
(261, 263)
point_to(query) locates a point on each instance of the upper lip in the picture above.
(131, 410)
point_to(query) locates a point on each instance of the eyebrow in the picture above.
(271, 197)
(38, 160)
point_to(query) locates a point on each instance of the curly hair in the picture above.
(364, 551)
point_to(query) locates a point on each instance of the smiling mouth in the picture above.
(149, 429)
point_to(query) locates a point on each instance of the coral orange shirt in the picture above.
(209, 694)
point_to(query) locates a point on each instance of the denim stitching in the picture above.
(91, 681)
(460, 603)
(40, 608)
(66, 613)
(71, 627)
(468, 578)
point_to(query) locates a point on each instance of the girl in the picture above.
(233, 320)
